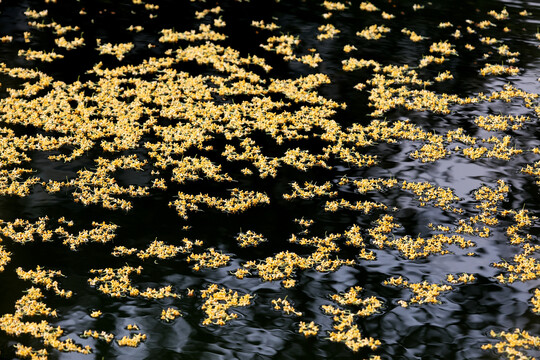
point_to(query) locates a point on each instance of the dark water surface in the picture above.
(455, 327)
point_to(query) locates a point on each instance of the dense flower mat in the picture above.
(266, 179)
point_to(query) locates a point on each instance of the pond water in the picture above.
(269, 179)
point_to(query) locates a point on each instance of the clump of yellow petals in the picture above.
(384, 226)
(488, 40)
(280, 266)
(367, 6)
(369, 305)
(240, 201)
(57, 28)
(115, 282)
(133, 341)
(500, 149)
(102, 335)
(205, 33)
(5, 257)
(282, 45)
(99, 187)
(283, 265)
(485, 24)
(310, 191)
(419, 247)
(489, 199)
(428, 59)
(137, 28)
(122, 251)
(424, 292)
(522, 220)
(170, 314)
(443, 48)
(39, 55)
(327, 31)
(29, 352)
(201, 14)
(249, 238)
(490, 69)
(463, 278)
(348, 48)
(353, 64)
(533, 169)
(504, 50)
(334, 5)
(40, 276)
(354, 238)
(305, 223)
(285, 306)
(366, 184)
(31, 305)
(211, 259)
(101, 233)
(373, 32)
(262, 25)
(523, 267)
(365, 206)
(429, 194)
(513, 344)
(344, 329)
(444, 76)
(34, 14)
(161, 250)
(189, 168)
(412, 35)
(535, 300)
(23, 231)
(69, 45)
(308, 329)
(503, 15)
(218, 301)
(118, 50)
(500, 122)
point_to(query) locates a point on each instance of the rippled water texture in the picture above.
(269, 179)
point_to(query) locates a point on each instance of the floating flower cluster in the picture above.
(218, 301)
(209, 259)
(249, 238)
(285, 306)
(170, 314)
(117, 50)
(308, 329)
(157, 126)
(424, 292)
(374, 32)
(310, 191)
(344, 329)
(239, 201)
(132, 341)
(30, 305)
(44, 277)
(513, 344)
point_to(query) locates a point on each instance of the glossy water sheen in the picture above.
(454, 329)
